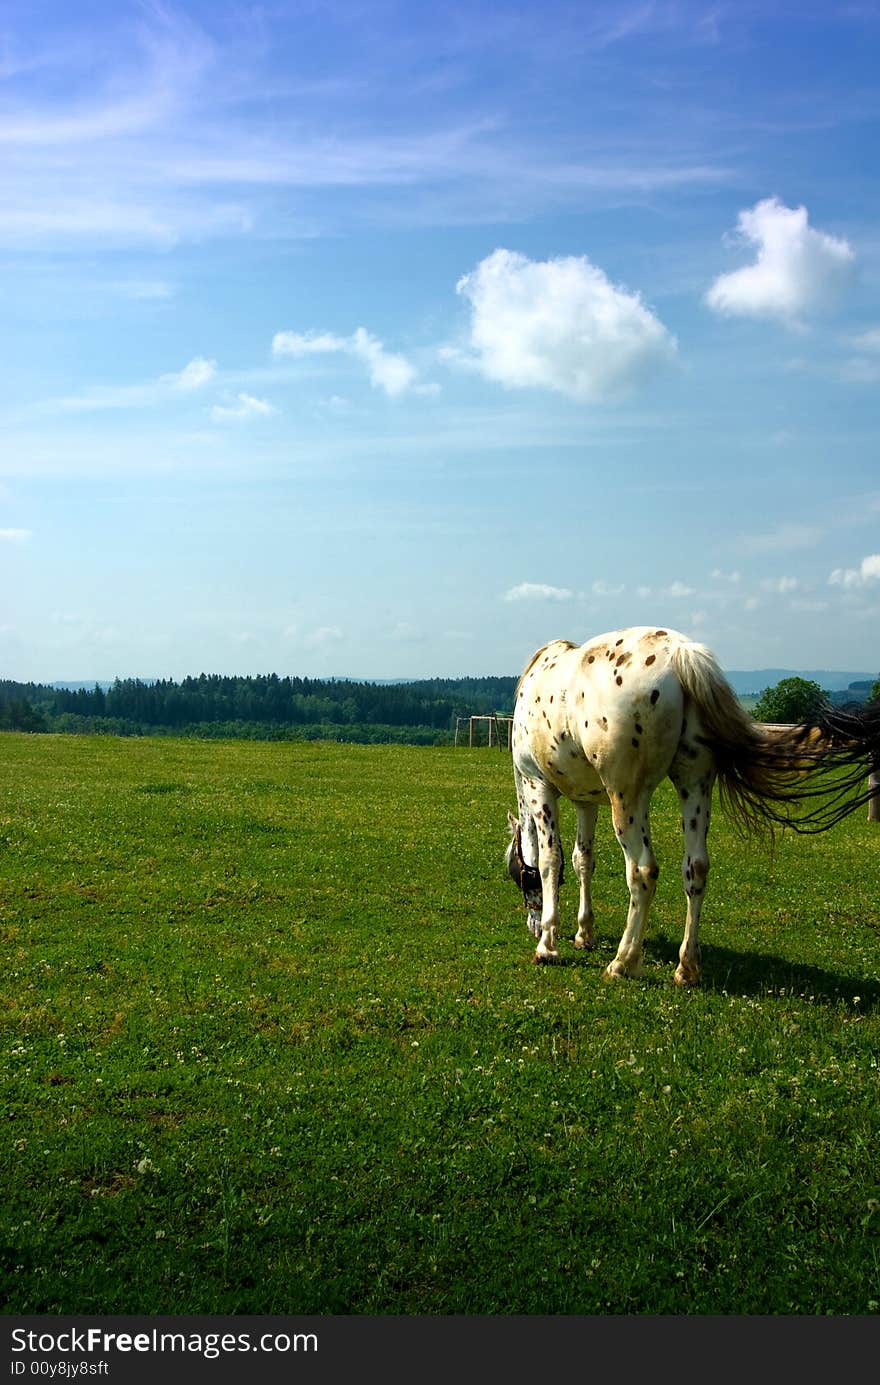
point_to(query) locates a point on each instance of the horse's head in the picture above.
(528, 878)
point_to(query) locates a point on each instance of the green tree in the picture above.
(19, 715)
(792, 700)
(874, 694)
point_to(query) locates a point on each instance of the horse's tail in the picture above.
(854, 727)
(765, 777)
(840, 746)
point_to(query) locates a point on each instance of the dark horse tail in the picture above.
(839, 747)
(805, 777)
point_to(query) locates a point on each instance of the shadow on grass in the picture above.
(761, 973)
(735, 972)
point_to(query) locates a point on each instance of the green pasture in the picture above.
(272, 1042)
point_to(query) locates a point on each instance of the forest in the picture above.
(258, 707)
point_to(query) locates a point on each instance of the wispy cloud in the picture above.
(15, 535)
(144, 290)
(673, 591)
(245, 406)
(782, 585)
(194, 376)
(859, 370)
(784, 538)
(387, 371)
(868, 340)
(324, 636)
(191, 134)
(140, 76)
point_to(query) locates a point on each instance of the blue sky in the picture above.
(390, 340)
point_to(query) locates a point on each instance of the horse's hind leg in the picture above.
(631, 824)
(584, 861)
(695, 798)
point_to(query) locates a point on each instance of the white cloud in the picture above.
(14, 535)
(867, 571)
(246, 406)
(560, 325)
(675, 591)
(720, 576)
(393, 374)
(798, 269)
(782, 585)
(537, 591)
(603, 588)
(194, 376)
(307, 343)
(387, 371)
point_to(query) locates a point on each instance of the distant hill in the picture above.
(744, 681)
(78, 684)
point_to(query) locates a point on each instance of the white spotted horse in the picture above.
(608, 721)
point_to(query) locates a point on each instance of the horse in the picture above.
(608, 721)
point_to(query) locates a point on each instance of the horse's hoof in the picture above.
(585, 944)
(686, 978)
(546, 957)
(618, 972)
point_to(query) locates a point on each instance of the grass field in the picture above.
(272, 1042)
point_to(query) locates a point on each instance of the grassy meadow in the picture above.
(272, 1042)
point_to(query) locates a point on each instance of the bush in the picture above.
(792, 700)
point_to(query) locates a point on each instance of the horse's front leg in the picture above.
(631, 825)
(546, 819)
(584, 861)
(695, 796)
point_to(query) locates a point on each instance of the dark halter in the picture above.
(528, 878)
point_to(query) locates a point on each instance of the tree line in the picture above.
(268, 705)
